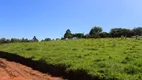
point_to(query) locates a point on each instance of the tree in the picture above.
(62, 38)
(24, 40)
(104, 35)
(115, 32)
(118, 32)
(86, 36)
(35, 39)
(138, 31)
(78, 35)
(14, 40)
(57, 39)
(2, 40)
(47, 39)
(7, 41)
(68, 34)
(95, 31)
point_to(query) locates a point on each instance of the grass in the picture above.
(108, 59)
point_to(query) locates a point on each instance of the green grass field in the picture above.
(108, 59)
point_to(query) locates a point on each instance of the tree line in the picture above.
(97, 32)
(12, 40)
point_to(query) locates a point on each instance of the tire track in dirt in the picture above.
(15, 71)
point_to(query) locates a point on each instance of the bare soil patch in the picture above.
(15, 71)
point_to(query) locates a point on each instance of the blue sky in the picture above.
(51, 18)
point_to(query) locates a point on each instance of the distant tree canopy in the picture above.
(47, 39)
(35, 39)
(118, 32)
(68, 34)
(138, 31)
(14, 40)
(78, 35)
(104, 35)
(25, 40)
(4, 40)
(95, 32)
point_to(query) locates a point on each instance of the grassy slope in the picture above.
(107, 58)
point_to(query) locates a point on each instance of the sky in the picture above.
(51, 18)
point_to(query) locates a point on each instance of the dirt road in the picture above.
(15, 71)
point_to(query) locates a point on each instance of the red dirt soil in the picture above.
(15, 71)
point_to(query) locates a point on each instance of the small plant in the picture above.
(122, 37)
(110, 57)
(29, 49)
(137, 36)
(74, 49)
(131, 69)
(113, 44)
